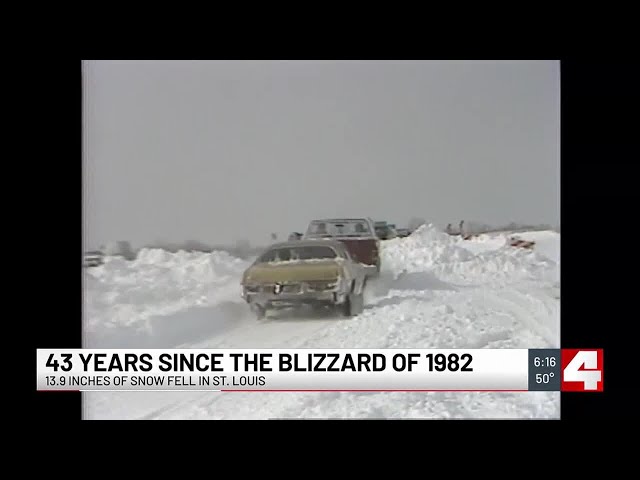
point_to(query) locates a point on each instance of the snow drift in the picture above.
(435, 291)
(160, 299)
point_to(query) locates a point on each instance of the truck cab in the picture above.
(357, 234)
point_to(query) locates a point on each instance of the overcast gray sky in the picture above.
(218, 151)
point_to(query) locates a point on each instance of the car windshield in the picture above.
(286, 254)
(351, 228)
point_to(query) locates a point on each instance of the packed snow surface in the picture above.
(434, 291)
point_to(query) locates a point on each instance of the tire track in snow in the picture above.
(532, 312)
(282, 331)
(499, 315)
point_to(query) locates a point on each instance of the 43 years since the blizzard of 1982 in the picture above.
(235, 370)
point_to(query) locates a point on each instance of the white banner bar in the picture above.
(283, 369)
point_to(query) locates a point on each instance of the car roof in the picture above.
(350, 219)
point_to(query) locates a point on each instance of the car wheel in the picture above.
(353, 305)
(358, 304)
(345, 308)
(259, 311)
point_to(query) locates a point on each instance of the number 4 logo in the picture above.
(582, 370)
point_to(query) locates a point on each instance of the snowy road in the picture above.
(436, 291)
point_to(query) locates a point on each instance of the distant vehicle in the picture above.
(518, 242)
(305, 272)
(403, 232)
(385, 231)
(357, 234)
(93, 259)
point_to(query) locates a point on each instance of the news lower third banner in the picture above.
(227, 370)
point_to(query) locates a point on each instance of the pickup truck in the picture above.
(357, 234)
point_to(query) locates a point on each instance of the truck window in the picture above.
(355, 228)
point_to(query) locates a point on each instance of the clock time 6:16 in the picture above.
(544, 361)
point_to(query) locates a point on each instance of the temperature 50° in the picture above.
(544, 377)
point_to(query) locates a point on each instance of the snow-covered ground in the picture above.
(435, 291)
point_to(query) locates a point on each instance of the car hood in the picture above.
(292, 272)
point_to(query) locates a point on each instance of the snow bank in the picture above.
(480, 259)
(423, 249)
(485, 243)
(124, 300)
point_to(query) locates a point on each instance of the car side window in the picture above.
(267, 257)
(283, 255)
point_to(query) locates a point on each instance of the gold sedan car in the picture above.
(305, 272)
